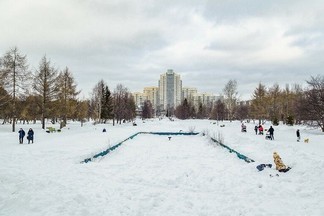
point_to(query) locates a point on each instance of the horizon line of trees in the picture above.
(290, 105)
(48, 93)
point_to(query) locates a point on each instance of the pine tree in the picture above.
(259, 103)
(66, 94)
(14, 75)
(45, 86)
(106, 104)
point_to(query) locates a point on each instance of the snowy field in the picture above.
(152, 175)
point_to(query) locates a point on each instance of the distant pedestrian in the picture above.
(298, 135)
(30, 135)
(260, 130)
(21, 136)
(271, 130)
(256, 129)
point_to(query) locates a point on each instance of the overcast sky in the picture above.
(206, 42)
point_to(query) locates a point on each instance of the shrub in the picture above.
(290, 120)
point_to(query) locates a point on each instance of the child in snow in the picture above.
(280, 166)
(260, 130)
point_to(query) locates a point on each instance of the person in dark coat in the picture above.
(271, 130)
(30, 135)
(256, 129)
(21, 135)
(298, 135)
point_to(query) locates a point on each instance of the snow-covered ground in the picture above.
(152, 175)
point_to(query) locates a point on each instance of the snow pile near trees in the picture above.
(152, 175)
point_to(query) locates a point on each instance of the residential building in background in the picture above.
(139, 98)
(152, 94)
(170, 90)
(169, 94)
(189, 93)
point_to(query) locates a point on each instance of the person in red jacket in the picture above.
(260, 130)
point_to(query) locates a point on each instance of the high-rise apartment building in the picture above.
(170, 90)
(139, 99)
(169, 94)
(189, 93)
(152, 94)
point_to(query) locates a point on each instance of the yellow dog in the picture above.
(306, 140)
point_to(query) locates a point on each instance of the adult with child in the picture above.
(30, 135)
(271, 130)
(21, 133)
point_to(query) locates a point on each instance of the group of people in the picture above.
(30, 135)
(258, 129)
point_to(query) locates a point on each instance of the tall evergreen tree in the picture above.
(274, 95)
(45, 86)
(66, 93)
(14, 75)
(259, 103)
(106, 104)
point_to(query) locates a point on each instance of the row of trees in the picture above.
(47, 93)
(289, 105)
(104, 105)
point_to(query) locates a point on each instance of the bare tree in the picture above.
(119, 95)
(45, 85)
(242, 111)
(96, 100)
(219, 111)
(147, 111)
(231, 97)
(14, 75)
(314, 98)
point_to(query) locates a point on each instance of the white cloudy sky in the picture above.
(207, 42)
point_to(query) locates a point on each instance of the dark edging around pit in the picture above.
(239, 155)
(103, 153)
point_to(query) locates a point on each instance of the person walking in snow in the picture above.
(280, 166)
(298, 135)
(21, 135)
(30, 135)
(271, 130)
(256, 129)
(260, 130)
